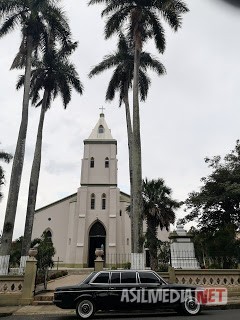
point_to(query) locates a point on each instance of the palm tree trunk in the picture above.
(17, 160)
(129, 132)
(152, 241)
(34, 179)
(136, 159)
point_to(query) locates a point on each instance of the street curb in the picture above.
(67, 312)
(6, 314)
(223, 307)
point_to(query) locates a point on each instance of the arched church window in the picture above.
(97, 230)
(92, 163)
(100, 129)
(103, 201)
(107, 162)
(92, 201)
(48, 235)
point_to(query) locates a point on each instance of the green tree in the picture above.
(217, 204)
(159, 211)
(15, 253)
(6, 157)
(35, 18)
(46, 251)
(216, 208)
(217, 249)
(122, 60)
(141, 19)
(164, 255)
(55, 75)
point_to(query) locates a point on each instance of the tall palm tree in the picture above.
(158, 211)
(122, 61)
(34, 17)
(6, 157)
(55, 75)
(141, 19)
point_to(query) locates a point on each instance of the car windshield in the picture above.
(162, 281)
(88, 279)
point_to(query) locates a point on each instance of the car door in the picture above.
(152, 290)
(99, 287)
(123, 291)
(115, 290)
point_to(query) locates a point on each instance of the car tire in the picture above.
(85, 308)
(190, 307)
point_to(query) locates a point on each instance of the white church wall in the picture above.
(71, 234)
(54, 218)
(99, 174)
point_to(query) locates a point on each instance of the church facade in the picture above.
(95, 216)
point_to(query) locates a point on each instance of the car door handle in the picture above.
(112, 288)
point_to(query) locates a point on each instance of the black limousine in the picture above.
(127, 290)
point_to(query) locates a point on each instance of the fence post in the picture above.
(99, 262)
(29, 281)
(172, 275)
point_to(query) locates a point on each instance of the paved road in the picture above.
(233, 314)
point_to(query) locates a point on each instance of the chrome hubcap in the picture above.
(192, 306)
(85, 309)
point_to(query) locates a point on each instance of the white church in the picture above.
(95, 216)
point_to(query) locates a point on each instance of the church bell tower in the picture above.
(98, 199)
(99, 164)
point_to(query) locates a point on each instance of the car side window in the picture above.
(115, 277)
(148, 277)
(102, 278)
(128, 277)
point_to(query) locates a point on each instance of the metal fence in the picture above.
(10, 266)
(118, 260)
(181, 259)
(4, 265)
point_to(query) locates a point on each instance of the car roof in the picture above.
(127, 270)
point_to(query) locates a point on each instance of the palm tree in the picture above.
(141, 19)
(122, 61)
(34, 17)
(6, 157)
(55, 75)
(158, 211)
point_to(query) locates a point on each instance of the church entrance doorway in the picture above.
(97, 239)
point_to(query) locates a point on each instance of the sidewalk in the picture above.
(234, 303)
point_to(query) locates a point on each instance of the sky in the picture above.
(191, 113)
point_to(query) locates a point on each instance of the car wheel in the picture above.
(191, 307)
(85, 309)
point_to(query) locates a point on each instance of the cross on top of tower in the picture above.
(102, 109)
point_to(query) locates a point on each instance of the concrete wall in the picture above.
(19, 290)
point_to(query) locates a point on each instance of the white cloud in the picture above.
(190, 113)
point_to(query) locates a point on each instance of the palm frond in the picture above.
(20, 60)
(172, 12)
(144, 84)
(115, 22)
(20, 82)
(157, 31)
(9, 24)
(6, 157)
(108, 62)
(147, 61)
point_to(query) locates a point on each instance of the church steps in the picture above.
(43, 299)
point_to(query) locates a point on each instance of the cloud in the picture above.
(192, 112)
